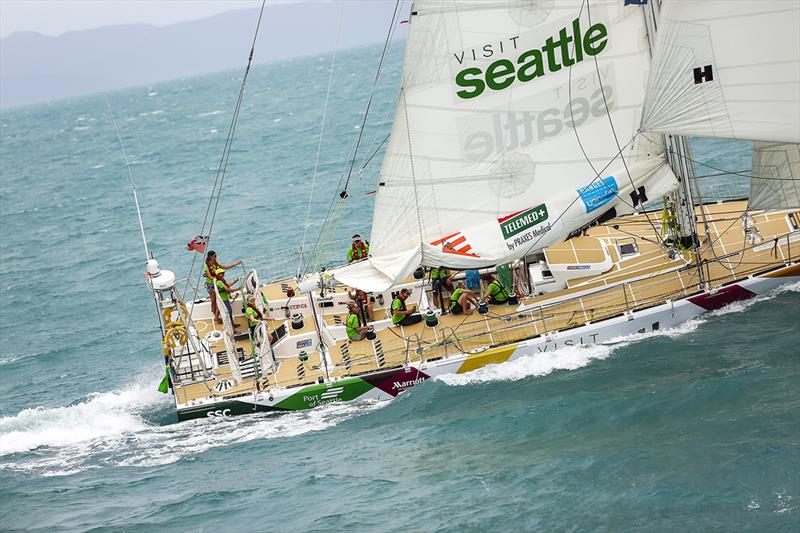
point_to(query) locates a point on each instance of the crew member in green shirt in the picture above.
(441, 285)
(225, 291)
(401, 316)
(253, 315)
(210, 267)
(355, 331)
(495, 292)
(359, 250)
(462, 300)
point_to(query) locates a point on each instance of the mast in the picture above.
(677, 158)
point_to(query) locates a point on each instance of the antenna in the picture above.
(130, 175)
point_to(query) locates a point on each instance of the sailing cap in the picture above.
(356, 237)
(219, 271)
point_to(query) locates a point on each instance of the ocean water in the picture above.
(693, 429)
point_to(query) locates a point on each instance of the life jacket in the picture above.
(209, 269)
(361, 298)
(359, 251)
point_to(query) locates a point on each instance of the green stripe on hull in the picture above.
(316, 395)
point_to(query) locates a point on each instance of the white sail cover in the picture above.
(502, 142)
(775, 181)
(728, 69)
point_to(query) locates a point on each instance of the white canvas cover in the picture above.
(500, 100)
(775, 181)
(727, 69)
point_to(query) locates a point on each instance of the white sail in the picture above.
(503, 142)
(726, 69)
(775, 182)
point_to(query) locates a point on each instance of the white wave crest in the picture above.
(565, 358)
(108, 428)
(215, 112)
(540, 364)
(104, 414)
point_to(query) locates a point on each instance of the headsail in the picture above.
(508, 133)
(775, 181)
(726, 69)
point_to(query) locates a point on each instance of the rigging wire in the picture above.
(334, 206)
(564, 212)
(413, 174)
(223, 163)
(319, 145)
(372, 93)
(578, 138)
(613, 130)
(130, 175)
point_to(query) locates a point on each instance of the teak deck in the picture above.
(647, 279)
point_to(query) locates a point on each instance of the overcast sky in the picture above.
(54, 17)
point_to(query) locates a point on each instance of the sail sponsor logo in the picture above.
(552, 56)
(538, 117)
(456, 244)
(598, 193)
(520, 221)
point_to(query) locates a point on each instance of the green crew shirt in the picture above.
(352, 326)
(252, 316)
(455, 296)
(398, 305)
(497, 292)
(223, 292)
(439, 273)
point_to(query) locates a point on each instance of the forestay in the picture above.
(726, 69)
(775, 182)
(508, 133)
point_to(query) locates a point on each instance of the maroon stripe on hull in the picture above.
(396, 381)
(712, 301)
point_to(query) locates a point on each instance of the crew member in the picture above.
(225, 290)
(355, 331)
(401, 316)
(462, 300)
(439, 284)
(254, 316)
(362, 300)
(359, 250)
(495, 292)
(210, 267)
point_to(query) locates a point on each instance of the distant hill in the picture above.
(37, 68)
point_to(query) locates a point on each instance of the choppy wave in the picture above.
(111, 428)
(101, 415)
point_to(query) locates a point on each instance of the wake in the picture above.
(109, 428)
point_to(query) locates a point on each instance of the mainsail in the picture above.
(727, 69)
(517, 124)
